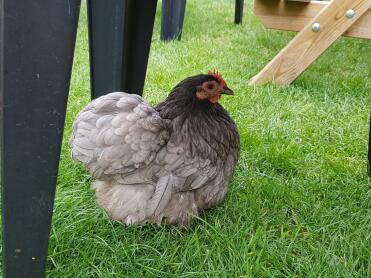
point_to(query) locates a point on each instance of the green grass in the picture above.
(299, 202)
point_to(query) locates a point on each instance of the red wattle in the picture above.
(215, 99)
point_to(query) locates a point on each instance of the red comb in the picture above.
(218, 77)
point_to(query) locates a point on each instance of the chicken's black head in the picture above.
(196, 93)
(203, 88)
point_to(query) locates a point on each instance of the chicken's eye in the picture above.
(211, 86)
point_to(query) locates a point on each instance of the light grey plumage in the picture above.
(160, 164)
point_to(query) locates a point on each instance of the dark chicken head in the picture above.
(204, 87)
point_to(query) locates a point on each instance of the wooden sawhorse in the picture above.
(320, 24)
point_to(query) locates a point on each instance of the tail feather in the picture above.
(162, 195)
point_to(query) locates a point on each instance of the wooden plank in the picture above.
(294, 16)
(307, 46)
(361, 28)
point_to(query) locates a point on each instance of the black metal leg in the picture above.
(172, 19)
(238, 13)
(37, 46)
(120, 33)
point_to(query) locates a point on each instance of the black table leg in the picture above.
(37, 43)
(238, 13)
(172, 19)
(120, 33)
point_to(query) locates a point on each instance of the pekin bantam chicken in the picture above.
(159, 164)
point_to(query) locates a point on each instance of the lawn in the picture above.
(299, 202)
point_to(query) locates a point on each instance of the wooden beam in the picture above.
(307, 46)
(295, 15)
